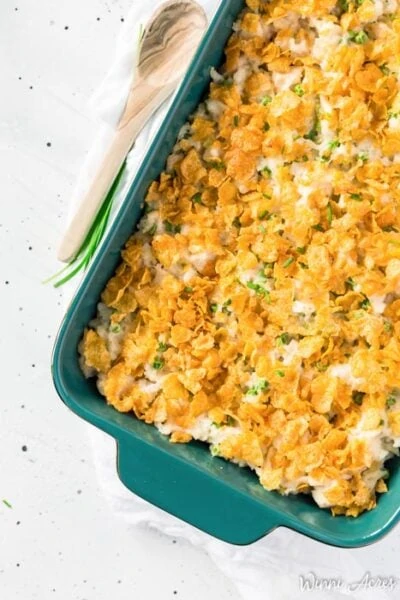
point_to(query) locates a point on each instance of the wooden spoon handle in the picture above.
(142, 102)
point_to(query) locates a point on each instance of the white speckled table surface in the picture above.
(58, 537)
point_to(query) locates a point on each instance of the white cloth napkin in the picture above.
(271, 568)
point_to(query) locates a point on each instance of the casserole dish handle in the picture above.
(209, 504)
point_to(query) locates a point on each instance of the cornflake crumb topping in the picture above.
(257, 306)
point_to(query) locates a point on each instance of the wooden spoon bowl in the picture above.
(168, 45)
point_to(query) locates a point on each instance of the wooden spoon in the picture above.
(168, 44)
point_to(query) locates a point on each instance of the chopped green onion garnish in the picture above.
(158, 363)
(364, 304)
(152, 229)
(266, 171)
(284, 339)
(225, 306)
(171, 227)
(162, 347)
(320, 366)
(385, 69)
(236, 120)
(259, 289)
(357, 197)
(390, 401)
(314, 132)
(262, 275)
(214, 449)
(334, 144)
(299, 90)
(358, 397)
(214, 308)
(7, 503)
(259, 387)
(266, 100)
(301, 250)
(280, 373)
(148, 208)
(288, 262)
(388, 327)
(116, 328)
(216, 164)
(358, 37)
(225, 82)
(363, 156)
(188, 289)
(350, 283)
(197, 198)
(264, 214)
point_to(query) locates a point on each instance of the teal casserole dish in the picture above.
(185, 480)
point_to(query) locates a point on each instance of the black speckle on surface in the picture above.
(19, 78)
(79, 492)
(122, 19)
(18, 523)
(16, 9)
(175, 592)
(48, 144)
(18, 565)
(119, 581)
(24, 448)
(98, 19)
(31, 87)
(174, 541)
(22, 405)
(66, 27)
(33, 365)
(30, 248)
(7, 282)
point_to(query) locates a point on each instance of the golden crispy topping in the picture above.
(257, 306)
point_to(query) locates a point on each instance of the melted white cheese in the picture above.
(290, 352)
(344, 373)
(378, 303)
(284, 81)
(305, 308)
